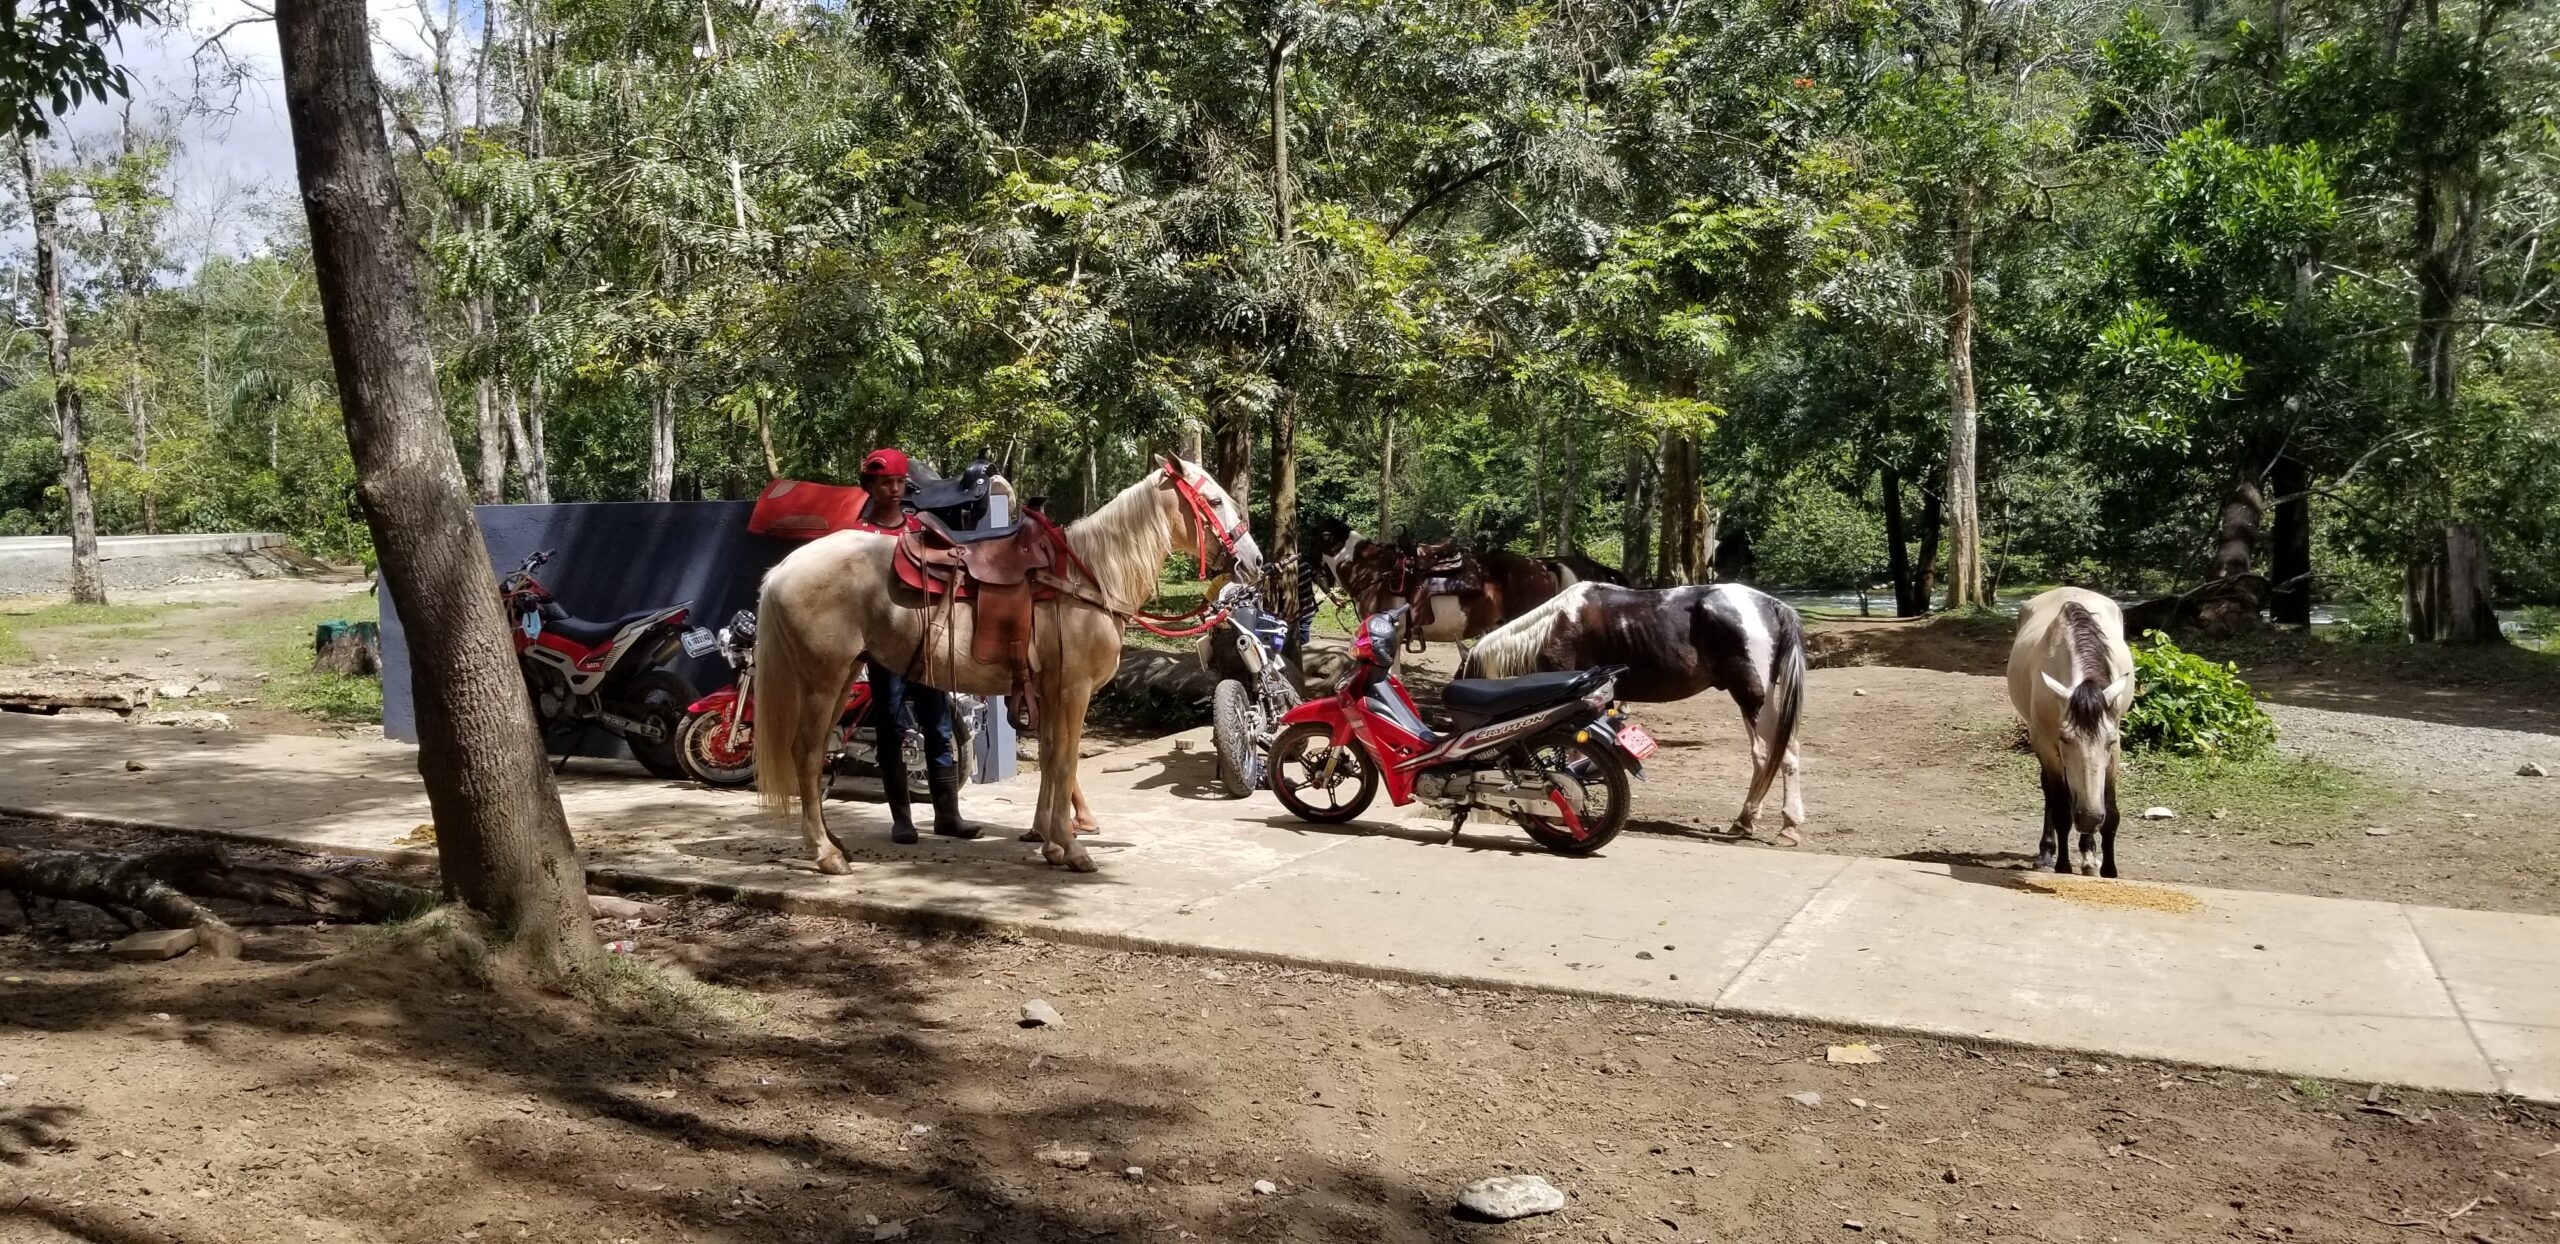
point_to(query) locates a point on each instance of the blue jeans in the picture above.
(897, 704)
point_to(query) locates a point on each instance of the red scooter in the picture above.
(1550, 751)
(612, 674)
(716, 744)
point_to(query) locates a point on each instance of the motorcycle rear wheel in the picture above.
(660, 697)
(1603, 809)
(1298, 760)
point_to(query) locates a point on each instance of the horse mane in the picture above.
(2085, 714)
(1125, 542)
(1511, 649)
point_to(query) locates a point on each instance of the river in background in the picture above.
(1879, 604)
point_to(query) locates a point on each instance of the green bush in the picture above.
(2369, 623)
(2189, 706)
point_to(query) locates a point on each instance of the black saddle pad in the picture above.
(592, 633)
(1493, 697)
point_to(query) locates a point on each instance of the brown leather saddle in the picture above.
(1439, 568)
(996, 572)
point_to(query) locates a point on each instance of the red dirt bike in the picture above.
(612, 674)
(1550, 751)
(716, 744)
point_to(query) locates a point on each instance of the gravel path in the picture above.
(2430, 753)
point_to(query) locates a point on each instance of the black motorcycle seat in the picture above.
(591, 633)
(1497, 697)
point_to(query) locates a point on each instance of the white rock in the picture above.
(210, 686)
(1505, 1197)
(2530, 769)
(174, 690)
(1264, 1187)
(2377, 831)
(1805, 1099)
(1059, 1155)
(1859, 691)
(191, 720)
(2158, 814)
(1039, 1014)
(1135, 1172)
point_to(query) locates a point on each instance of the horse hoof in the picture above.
(1088, 827)
(1786, 838)
(834, 865)
(1078, 861)
(1053, 853)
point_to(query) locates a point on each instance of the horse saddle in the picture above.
(1439, 568)
(993, 570)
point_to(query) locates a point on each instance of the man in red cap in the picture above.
(896, 702)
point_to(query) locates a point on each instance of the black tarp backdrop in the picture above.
(615, 557)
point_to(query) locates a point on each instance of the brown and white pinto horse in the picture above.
(1675, 643)
(1501, 585)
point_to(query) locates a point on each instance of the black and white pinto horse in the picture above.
(1675, 643)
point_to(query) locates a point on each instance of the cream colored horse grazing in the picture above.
(840, 596)
(2071, 679)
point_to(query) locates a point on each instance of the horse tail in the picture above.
(791, 716)
(1786, 696)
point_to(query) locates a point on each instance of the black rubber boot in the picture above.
(893, 787)
(944, 782)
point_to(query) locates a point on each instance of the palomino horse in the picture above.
(1378, 577)
(2071, 680)
(1675, 643)
(837, 597)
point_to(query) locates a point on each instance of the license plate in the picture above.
(533, 626)
(700, 643)
(1638, 743)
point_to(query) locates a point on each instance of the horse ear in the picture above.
(2120, 688)
(2056, 685)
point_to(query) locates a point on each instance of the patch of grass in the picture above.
(671, 999)
(2516, 668)
(2272, 794)
(2311, 1090)
(63, 615)
(282, 648)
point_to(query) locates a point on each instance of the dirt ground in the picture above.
(1910, 750)
(212, 633)
(772, 1078)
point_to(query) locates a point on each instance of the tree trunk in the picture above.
(502, 842)
(1666, 553)
(1386, 469)
(2289, 599)
(491, 420)
(1897, 551)
(524, 430)
(2445, 596)
(1567, 488)
(139, 413)
(1191, 447)
(1284, 403)
(1933, 524)
(662, 445)
(2235, 542)
(1635, 517)
(1235, 448)
(1964, 514)
(1088, 481)
(88, 585)
(764, 437)
(1684, 517)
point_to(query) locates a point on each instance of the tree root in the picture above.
(163, 886)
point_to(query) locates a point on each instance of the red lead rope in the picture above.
(1151, 621)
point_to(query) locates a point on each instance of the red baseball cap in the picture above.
(885, 462)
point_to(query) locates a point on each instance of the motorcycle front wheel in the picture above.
(1240, 768)
(1317, 781)
(708, 753)
(1593, 767)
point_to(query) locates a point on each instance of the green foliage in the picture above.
(282, 648)
(1818, 537)
(2190, 706)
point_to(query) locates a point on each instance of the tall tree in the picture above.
(44, 211)
(502, 841)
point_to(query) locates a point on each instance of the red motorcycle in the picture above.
(611, 674)
(716, 744)
(1551, 751)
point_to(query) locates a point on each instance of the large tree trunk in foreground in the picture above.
(88, 585)
(502, 841)
(1897, 550)
(2445, 597)
(1964, 511)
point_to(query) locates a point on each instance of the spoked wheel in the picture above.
(1317, 781)
(710, 752)
(1240, 767)
(1595, 771)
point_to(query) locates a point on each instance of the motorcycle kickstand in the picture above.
(1456, 824)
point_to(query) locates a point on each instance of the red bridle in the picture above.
(1204, 518)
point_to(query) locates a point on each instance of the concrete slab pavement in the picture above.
(2356, 991)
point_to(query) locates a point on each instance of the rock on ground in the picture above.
(1505, 1197)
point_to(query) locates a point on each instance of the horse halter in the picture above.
(1204, 519)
